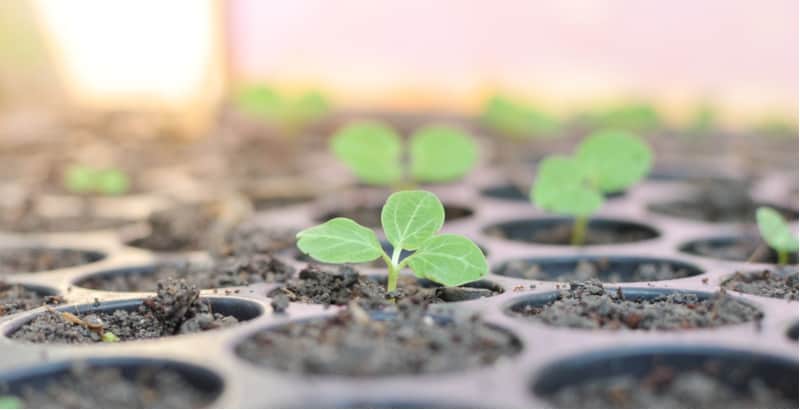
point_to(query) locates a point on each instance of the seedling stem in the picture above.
(783, 257)
(579, 230)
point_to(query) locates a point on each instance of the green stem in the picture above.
(783, 257)
(579, 230)
(394, 270)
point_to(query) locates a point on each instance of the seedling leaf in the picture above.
(775, 230)
(561, 188)
(409, 218)
(614, 160)
(79, 178)
(451, 260)
(260, 101)
(371, 150)
(112, 182)
(10, 402)
(340, 240)
(441, 153)
(517, 120)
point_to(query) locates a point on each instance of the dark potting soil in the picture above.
(176, 309)
(510, 192)
(781, 283)
(19, 260)
(85, 386)
(371, 216)
(665, 387)
(17, 298)
(78, 223)
(588, 305)
(352, 343)
(717, 202)
(742, 249)
(183, 228)
(560, 233)
(340, 286)
(595, 269)
(248, 238)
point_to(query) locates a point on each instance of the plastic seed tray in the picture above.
(550, 356)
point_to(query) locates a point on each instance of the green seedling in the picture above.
(290, 114)
(376, 154)
(516, 119)
(605, 162)
(10, 402)
(410, 220)
(110, 337)
(776, 233)
(635, 117)
(82, 179)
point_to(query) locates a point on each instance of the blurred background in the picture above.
(185, 57)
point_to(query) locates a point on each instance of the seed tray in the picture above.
(550, 356)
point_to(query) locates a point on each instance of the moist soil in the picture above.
(352, 343)
(717, 202)
(176, 309)
(561, 234)
(24, 219)
(17, 298)
(745, 249)
(19, 260)
(781, 283)
(84, 386)
(599, 270)
(226, 272)
(185, 228)
(371, 216)
(587, 305)
(340, 286)
(248, 238)
(664, 387)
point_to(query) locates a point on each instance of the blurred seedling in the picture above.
(83, 179)
(633, 116)
(605, 162)
(376, 154)
(10, 402)
(776, 233)
(291, 115)
(410, 220)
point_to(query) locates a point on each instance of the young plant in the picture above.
(83, 179)
(291, 115)
(776, 233)
(376, 154)
(517, 120)
(605, 162)
(410, 220)
(633, 116)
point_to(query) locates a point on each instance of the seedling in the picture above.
(516, 119)
(776, 233)
(605, 162)
(83, 179)
(375, 154)
(410, 220)
(634, 116)
(289, 114)
(10, 402)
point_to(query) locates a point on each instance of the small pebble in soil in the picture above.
(588, 305)
(665, 387)
(176, 309)
(17, 298)
(352, 343)
(19, 260)
(596, 269)
(340, 285)
(781, 283)
(86, 386)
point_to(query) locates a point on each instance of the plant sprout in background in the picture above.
(410, 220)
(605, 162)
(377, 155)
(10, 402)
(776, 233)
(83, 179)
(290, 114)
(517, 120)
(634, 117)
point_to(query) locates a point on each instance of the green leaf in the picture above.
(517, 120)
(10, 402)
(80, 179)
(775, 231)
(311, 106)
(561, 187)
(371, 150)
(450, 260)
(614, 160)
(112, 182)
(110, 337)
(340, 240)
(441, 153)
(260, 101)
(409, 218)
(636, 116)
